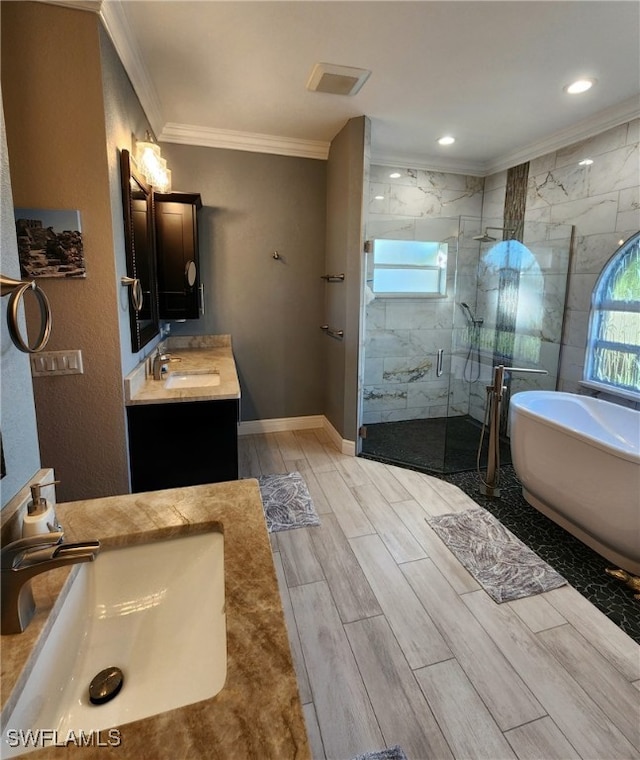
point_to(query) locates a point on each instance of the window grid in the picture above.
(613, 346)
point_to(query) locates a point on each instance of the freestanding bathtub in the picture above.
(578, 459)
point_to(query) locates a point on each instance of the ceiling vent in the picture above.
(337, 80)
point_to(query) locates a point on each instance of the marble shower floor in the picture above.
(436, 445)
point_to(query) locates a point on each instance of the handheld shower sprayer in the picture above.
(471, 371)
(467, 311)
(473, 322)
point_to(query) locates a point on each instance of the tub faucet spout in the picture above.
(494, 399)
(25, 558)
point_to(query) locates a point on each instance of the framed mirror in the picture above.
(141, 281)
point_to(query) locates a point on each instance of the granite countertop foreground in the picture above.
(205, 353)
(258, 713)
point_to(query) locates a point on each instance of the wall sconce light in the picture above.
(152, 165)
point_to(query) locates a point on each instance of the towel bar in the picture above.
(337, 334)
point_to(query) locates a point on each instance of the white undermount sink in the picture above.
(194, 379)
(156, 611)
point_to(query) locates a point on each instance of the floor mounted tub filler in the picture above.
(578, 459)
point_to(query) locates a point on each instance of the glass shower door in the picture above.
(408, 316)
(428, 358)
(511, 295)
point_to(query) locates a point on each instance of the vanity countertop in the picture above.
(258, 712)
(206, 353)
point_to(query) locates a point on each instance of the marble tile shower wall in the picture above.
(403, 335)
(601, 200)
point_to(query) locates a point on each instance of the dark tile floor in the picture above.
(420, 447)
(437, 445)
(583, 568)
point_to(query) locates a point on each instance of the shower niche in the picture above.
(428, 357)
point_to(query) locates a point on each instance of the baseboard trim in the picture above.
(348, 448)
(281, 424)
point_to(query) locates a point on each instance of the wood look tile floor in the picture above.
(395, 643)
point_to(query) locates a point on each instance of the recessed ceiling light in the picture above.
(378, 197)
(395, 175)
(337, 80)
(585, 162)
(580, 85)
(447, 140)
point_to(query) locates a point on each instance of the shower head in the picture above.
(487, 238)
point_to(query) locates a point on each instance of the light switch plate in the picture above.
(47, 363)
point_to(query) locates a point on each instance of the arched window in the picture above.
(613, 347)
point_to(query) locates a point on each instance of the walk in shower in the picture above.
(438, 318)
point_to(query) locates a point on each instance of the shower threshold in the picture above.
(438, 445)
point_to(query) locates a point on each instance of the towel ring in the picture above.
(16, 290)
(137, 296)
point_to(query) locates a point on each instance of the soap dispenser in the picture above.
(40, 517)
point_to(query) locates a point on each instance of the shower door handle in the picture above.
(439, 362)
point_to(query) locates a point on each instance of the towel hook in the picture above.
(16, 290)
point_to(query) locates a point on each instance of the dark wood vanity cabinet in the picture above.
(182, 444)
(177, 257)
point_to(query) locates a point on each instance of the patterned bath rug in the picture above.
(505, 567)
(393, 753)
(287, 502)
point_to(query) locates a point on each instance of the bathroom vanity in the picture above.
(183, 427)
(258, 712)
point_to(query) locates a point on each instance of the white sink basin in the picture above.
(156, 611)
(193, 379)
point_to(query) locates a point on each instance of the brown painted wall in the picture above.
(52, 92)
(254, 204)
(346, 169)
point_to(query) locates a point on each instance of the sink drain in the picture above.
(106, 685)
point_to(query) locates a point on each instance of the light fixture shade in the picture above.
(153, 166)
(162, 183)
(147, 154)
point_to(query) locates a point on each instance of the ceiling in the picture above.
(233, 74)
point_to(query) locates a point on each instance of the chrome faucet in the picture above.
(21, 560)
(160, 361)
(489, 486)
(159, 364)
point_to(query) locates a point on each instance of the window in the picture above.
(409, 268)
(613, 347)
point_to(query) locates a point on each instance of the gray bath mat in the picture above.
(505, 567)
(393, 753)
(287, 502)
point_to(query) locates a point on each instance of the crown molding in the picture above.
(187, 134)
(600, 122)
(117, 26)
(79, 5)
(429, 163)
